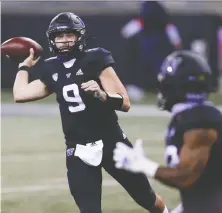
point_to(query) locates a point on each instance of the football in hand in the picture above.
(17, 48)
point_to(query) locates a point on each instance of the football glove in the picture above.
(134, 159)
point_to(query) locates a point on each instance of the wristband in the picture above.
(115, 101)
(26, 68)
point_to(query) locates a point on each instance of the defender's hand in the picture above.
(129, 158)
(30, 61)
(133, 159)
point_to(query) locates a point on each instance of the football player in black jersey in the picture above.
(193, 148)
(88, 92)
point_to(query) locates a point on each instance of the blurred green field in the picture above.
(150, 98)
(34, 173)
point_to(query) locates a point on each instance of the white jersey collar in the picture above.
(69, 63)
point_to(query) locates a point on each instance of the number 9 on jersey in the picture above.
(74, 99)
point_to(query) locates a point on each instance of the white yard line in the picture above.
(39, 188)
(52, 109)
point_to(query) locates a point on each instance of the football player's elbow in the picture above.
(18, 97)
(16, 100)
(189, 180)
(185, 184)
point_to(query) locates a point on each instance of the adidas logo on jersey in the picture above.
(68, 75)
(79, 72)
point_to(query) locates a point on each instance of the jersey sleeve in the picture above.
(43, 74)
(105, 59)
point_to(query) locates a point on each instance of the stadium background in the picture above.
(33, 162)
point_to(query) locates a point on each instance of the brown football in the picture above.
(17, 48)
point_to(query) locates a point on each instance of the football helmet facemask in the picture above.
(66, 22)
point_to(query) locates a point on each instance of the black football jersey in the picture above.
(209, 184)
(84, 118)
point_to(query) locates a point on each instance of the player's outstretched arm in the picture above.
(23, 91)
(194, 156)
